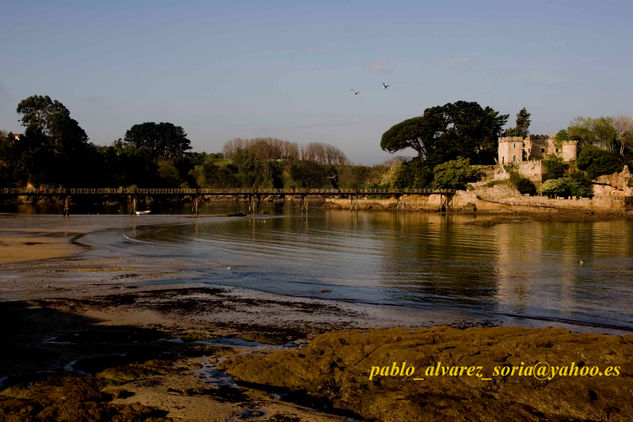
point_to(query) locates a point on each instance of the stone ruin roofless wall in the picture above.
(528, 153)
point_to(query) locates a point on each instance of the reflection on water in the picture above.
(580, 273)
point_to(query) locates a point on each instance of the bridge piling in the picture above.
(304, 204)
(66, 212)
(354, 202)
(196, 204)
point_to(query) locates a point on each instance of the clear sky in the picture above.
(229, 69)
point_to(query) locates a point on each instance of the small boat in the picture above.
(143, 212)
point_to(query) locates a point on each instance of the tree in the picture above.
(560, 137)
(596, 161)
(554, 167)
(455, 174)
(522, 124)
(623, 126)
(597, 132)
(158, 141)
(555, 187)
(54, 147)
(420, 133)
(263, 148)
(447, 132)
(308, 174)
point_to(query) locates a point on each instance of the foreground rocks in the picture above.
(336, 367)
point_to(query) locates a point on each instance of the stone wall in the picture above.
(532, 170)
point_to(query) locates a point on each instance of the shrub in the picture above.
(414, 174)
(596, 161)
(555, 187)
(580, 185)
(522, 184)
(554, 168)
(308, 174)
(455, 174)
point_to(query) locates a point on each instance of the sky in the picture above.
(285, 69)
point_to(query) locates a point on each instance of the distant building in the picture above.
(528, 153)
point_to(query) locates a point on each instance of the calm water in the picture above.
(528, 273)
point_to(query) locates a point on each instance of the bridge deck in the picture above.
(217, 192)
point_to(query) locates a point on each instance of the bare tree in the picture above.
(624, 128)
(263, 148)
(323, 154)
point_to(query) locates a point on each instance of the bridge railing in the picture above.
(216, 191)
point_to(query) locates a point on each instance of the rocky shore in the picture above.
(130, 346)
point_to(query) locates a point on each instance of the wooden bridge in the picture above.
(253, 195)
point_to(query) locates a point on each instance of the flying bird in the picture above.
(355, 92)
(385, 86)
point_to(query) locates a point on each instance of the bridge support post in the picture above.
(400, 204)
(354, 202)
(253, 204)
(446, 202)
(304, 205)
(66, 212)
(196, 204)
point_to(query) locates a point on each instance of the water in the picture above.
(530, 273)
(579, 275)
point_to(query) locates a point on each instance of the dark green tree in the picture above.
(554, 167)
(522, 125)
(596, 161)
(443, 133)
(158, 141)
(54, 147)
(308, 174)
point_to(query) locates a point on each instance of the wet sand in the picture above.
(134, 346)
(30, 248)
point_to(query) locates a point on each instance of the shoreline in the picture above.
(135, 346)
(157, 355)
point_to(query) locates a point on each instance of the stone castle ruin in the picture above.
(527, 154)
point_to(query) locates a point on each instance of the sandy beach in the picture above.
(90, 336)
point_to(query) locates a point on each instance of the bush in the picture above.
(596, 161)
(555, 187)
(308, 174)
(523, 185)
(413, 174)
(554, 168)
(455, 174)
(580, 185)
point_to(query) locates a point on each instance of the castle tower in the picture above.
(570, 150)
(510, 150)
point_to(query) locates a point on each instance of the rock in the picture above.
(336, 366)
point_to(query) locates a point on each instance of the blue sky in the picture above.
(228, 69)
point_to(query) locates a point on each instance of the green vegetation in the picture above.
(455, 174)
(444, 133)
(576, 185)
(522, 184)
(55, 151)
(596, 161)
(560, 137)
(522, 125)
(554, 168)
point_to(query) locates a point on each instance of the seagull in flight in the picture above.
(355, 92)
(385, 86)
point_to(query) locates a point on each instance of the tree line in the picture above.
(55, 151)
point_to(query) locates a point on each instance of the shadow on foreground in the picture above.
(46, 355)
